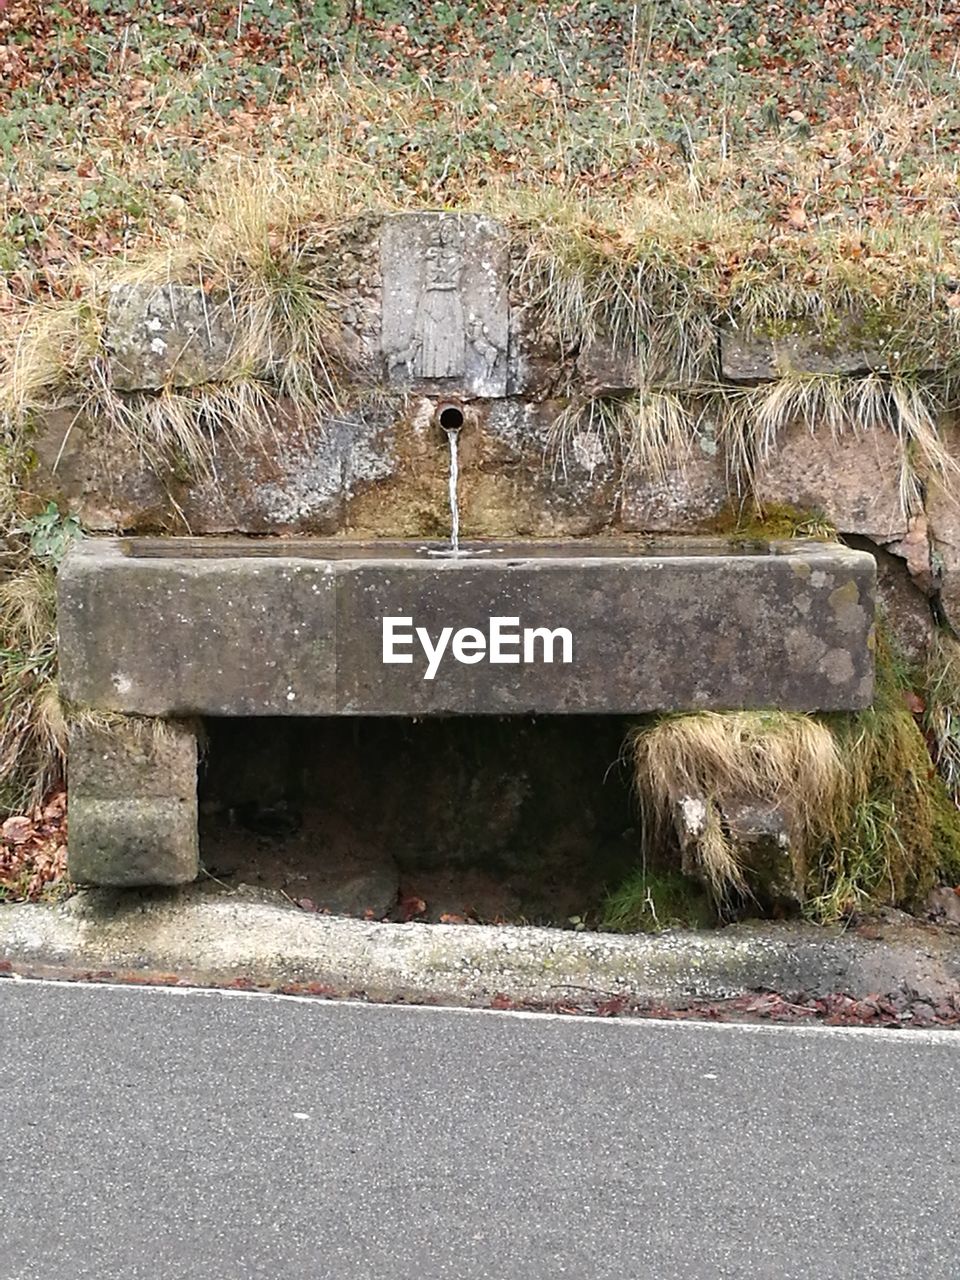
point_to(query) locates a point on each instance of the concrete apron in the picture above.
(252, 938)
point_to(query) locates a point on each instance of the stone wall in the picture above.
(432, 306)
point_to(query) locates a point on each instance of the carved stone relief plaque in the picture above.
(445, 310)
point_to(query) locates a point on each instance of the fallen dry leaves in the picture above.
(904, 1008)
(33, 850)
(110, 111)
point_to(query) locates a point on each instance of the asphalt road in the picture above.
(171, 1134)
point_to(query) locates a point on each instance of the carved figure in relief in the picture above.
(439, 325)
(482, 345)
(445, 335)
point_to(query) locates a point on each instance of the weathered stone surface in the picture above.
(512, 484)
(536, 502)
(106, 484)
(608, 367)
(608, 370)
(942, 505)
(167, 636)
(852, 479)
(943, 905)
(378, 471)
(687, 499)
(535, 361)
(166, 335)
(209, 935)
(401, 482)
(445, 306)
(299, 477)
(759, 832)
(347, 261)
(250, 629)
(517, 481)
(133, 804)
(904, 608)
(752, 356)
(915, 550)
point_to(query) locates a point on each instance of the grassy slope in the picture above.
(669, 164)
(787, 122)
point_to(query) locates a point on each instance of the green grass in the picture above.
(648, 902)
(903, 829)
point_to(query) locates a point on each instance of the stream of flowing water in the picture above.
(453, 438)
(454, 549)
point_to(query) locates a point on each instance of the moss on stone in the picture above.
(902, 831)
(774, 522)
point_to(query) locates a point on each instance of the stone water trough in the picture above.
(177, 629)
(218, 627)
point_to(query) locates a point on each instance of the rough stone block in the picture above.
(942, 505)
(916, 551)
(686, 499)
(535, 361)
(853, 479)
(133, 804)
(517, 480)
(608, 370)
(445, 305)
(236, 628)
(905, 609)
(171, 634)
(166, 335)
(752, 356)
(758, 830)
(105, 483)
(512, 484)
(298, 478)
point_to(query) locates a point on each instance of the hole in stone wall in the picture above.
(450, 417)
(489, 819)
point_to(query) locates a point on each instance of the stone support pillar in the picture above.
(133, 803)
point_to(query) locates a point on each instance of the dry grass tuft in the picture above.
(268, 245)
(870, 820)
(43, 348)
(180, 430)
(33, 725)
(753, 418)
(778, 757)
(650, 432)
(258, 243)
(630, 281)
